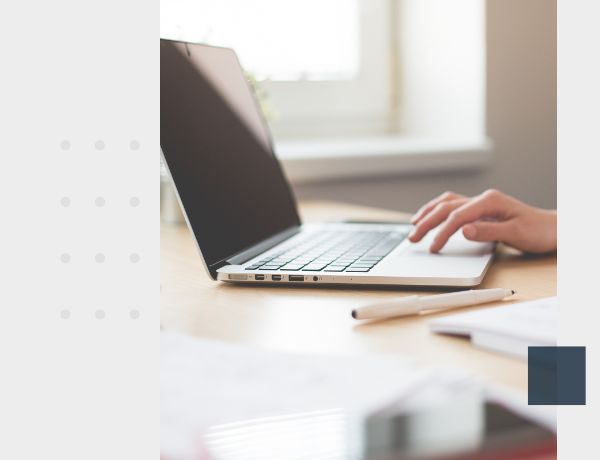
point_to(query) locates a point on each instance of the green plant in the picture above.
(262, 97)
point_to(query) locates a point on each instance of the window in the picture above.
(314, 40)
(356, 87)
(322, 63)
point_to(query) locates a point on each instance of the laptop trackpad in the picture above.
(460, 258)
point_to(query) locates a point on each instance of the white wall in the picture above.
(521, 119)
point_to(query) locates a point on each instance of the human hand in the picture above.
(490, 216)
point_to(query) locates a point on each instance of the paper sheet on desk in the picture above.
(509, 329)
(204, 383)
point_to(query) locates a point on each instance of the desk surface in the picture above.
(317, 320)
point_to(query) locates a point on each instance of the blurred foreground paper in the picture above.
(207, 384)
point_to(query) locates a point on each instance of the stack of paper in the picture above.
(509, 329)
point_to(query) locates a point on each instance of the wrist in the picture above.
(550, 226)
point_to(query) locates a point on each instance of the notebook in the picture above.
(509, 329)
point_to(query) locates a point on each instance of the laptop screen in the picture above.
(218, 151)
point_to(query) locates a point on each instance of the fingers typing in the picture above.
(488, 204)
(428, 207)
(434, 218)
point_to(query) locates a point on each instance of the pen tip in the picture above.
(513, 291)
(354, 314)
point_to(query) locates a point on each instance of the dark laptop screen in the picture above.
(218, 151)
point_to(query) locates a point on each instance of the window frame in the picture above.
(330, 108)
(423, 110)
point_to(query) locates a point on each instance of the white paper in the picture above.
(510, 329)
(207, 383)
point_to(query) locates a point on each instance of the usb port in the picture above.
(259, 277)
(296, 277)
(276, 277)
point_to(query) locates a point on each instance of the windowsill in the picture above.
(343, 158)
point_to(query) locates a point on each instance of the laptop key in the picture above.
(292, 267)
(334, 268)
(314, 267)
(348, 251)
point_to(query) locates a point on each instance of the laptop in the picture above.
(241, 209)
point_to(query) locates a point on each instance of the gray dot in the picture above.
(99, 145)
(134, 314)
(99, 314)
(134, 201)
(100, 258)
(134, 257)
(65, 314)
(100, 201)
(65, 201)
(134, 145)
(65, 145)
(65, 258)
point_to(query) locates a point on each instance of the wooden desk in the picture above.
(311, 320)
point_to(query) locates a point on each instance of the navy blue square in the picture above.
(556, 375)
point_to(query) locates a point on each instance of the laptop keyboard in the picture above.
(349, 251)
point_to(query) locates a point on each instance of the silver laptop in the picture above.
(242, 211)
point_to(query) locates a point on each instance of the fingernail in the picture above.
(470, 231)
(433, 245)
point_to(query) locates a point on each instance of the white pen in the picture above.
(414, 304)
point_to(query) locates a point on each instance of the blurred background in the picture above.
(390, 102)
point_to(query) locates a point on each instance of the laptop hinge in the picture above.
(247, 254)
